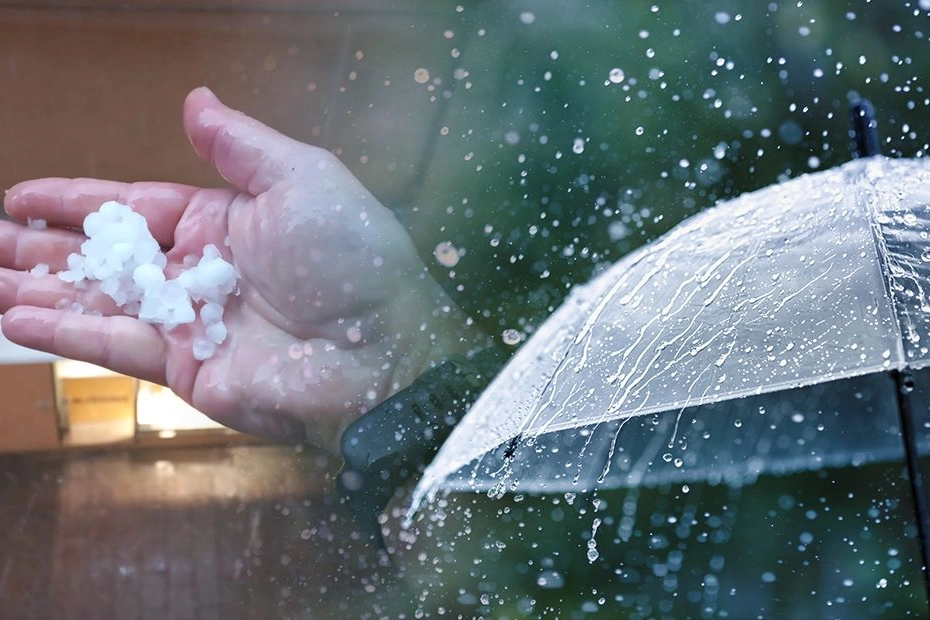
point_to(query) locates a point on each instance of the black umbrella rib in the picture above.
(904, 384)
(864, 128)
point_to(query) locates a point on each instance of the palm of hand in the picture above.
(319, 271)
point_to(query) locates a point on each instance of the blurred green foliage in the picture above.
(573, 133)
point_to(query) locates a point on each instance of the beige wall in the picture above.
(96, 91)
(27, 408)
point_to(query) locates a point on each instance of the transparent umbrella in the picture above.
(784, 330)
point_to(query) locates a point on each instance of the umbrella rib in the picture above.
(881, 251)
(901, 377)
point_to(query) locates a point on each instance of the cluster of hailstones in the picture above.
(122, 255)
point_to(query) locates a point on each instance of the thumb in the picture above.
(247, 153)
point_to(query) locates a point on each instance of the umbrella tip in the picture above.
(863, 128)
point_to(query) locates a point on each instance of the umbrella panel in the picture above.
(845, 423)
(776, 495)
(817, 279)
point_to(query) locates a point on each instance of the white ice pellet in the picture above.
(41, 269)
(93, 223)
(216, 332)
(211, 312)
(212, 277)
(123, 256)
(182, 314)
(210, 251)
(148, 277)
(203, 348)
(111, 209)
(36, 224)
(113, 288)
(70, 276)
(120, 252)
(149, 309)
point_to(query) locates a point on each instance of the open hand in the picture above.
(335, 309)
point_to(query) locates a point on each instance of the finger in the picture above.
(66, 202)
(250, 155)
(20, 288)
(119, 343)
(23, 248)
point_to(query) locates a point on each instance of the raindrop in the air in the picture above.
(550, 579)
(511, 336)
(616, 75)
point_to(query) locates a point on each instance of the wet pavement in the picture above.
(239, 532)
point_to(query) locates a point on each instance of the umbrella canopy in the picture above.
(749, 307)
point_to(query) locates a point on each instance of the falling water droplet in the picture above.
(592, 543)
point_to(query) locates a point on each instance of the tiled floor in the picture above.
(240, 532)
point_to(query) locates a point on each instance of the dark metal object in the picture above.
(904, 383)
(863, 128)
(394, 441)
